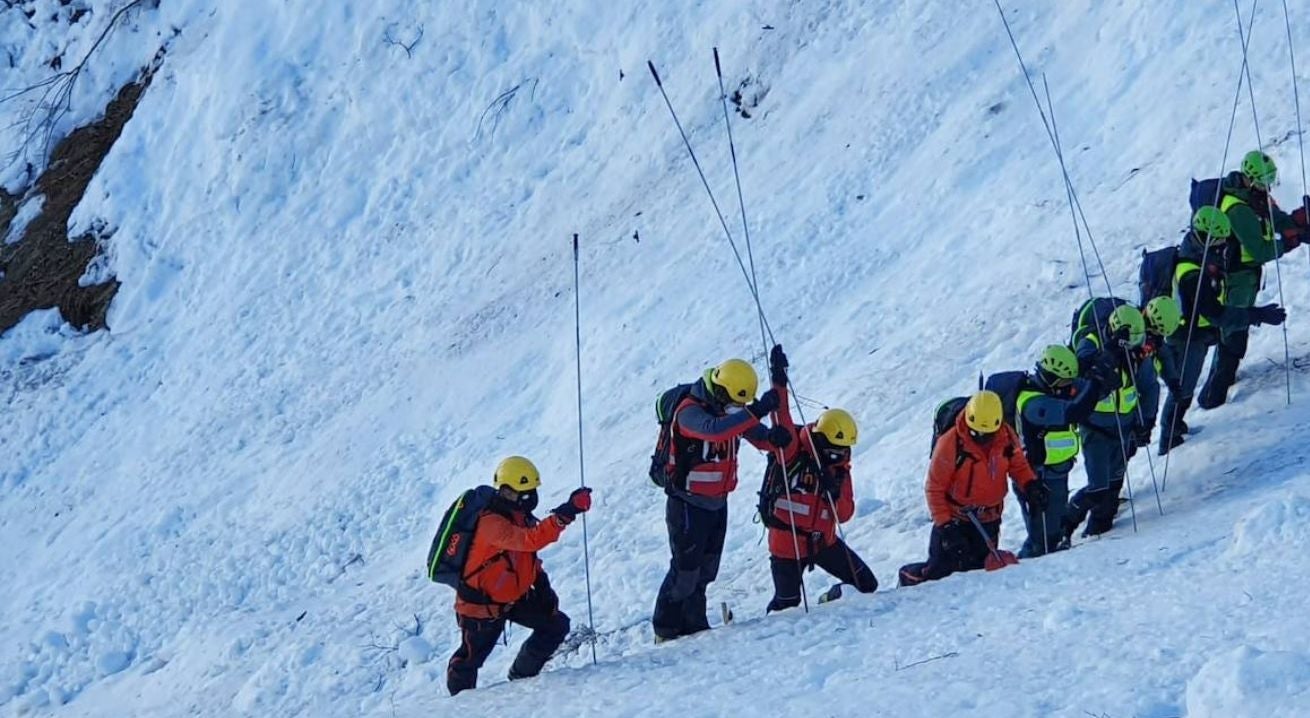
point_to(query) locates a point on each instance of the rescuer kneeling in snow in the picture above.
(966, 490)
(803, 505)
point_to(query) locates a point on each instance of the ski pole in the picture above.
(1046, 544)
(582, 472)
(1269, 203)
(765, 331)
(1141, 420)
(1075, 210)
(1243, 40)
(727, 233)
(1296, 97)
(741, 202)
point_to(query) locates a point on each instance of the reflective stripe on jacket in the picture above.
(1125, 397)
(1060, 445)
(1266, 229)
(807, 509)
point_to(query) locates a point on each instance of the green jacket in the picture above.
(1249, 219)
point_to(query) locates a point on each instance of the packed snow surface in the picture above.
(343, 232)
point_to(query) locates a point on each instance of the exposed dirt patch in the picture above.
(42, 268)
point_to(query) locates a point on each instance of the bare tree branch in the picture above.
(389, 38)
(56, 98)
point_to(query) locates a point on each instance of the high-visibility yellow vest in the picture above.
(1061, 444)
(1185, 267)
(1122, 400)
(1229, 201)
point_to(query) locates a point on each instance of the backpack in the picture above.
(947, 412)
(944, 418)
(1092, 315)
(665, 469)
(1007, 385)
(450, 547)
(1206, 193)
(773, 487)
(1156, 277)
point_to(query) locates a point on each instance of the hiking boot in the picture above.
(831, 594)
(1181, 427)
(1169, 443)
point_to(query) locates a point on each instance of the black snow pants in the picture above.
(538, 610)
(836, 558)
(942, 561)
(696, 542)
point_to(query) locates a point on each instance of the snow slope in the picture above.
(347, 293)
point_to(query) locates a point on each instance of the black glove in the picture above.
(1104, 372)
(765, 405)
(1141, 437)
(778, 366)
(954, 536)
(780, 437)
(1268, 314)
(1037, 495)
(579, 503)
(832, 481)
(1299, 215)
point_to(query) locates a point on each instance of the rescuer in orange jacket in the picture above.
(504, 579)
(967, 474)
(803, 505)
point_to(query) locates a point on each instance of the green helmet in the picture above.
(1212, 225)
(1260, 169)
(1058, 364)
(1127, 324)
(1163, 316)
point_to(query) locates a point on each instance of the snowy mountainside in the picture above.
(342, 233)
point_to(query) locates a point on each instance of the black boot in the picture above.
(832, 594)
(1169, 443)
(1223, 373)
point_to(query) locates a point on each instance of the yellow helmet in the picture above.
(737, 379)
(517, 473)
(838, 427)
(983, 413)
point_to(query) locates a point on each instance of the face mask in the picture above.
(527, 501)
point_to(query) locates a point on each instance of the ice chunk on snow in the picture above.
(111, 662)
(415, 650)
(1249, 682)
(1272, 528)
(39, 335)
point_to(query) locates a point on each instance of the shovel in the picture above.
(996, 558)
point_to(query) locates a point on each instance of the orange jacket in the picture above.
(811, 510)
(975, 477)
(502, 561)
